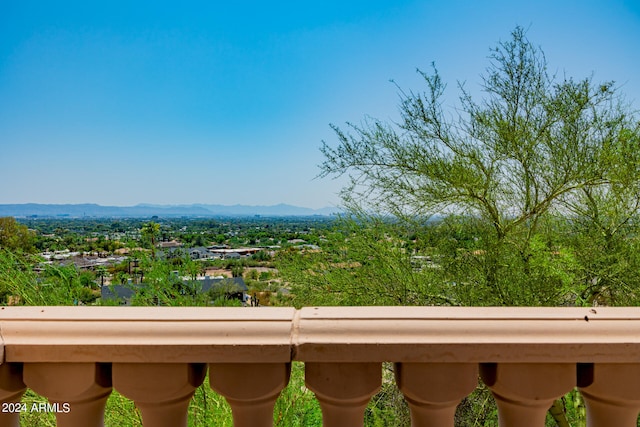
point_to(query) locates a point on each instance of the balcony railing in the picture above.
(157, 357)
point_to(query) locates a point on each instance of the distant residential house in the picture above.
(199, 253)
(226, 253)
(91, 262)
(130, 251)
(218, 247)
(170, 244)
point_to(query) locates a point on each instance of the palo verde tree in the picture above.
(531, 144)
(605, 228)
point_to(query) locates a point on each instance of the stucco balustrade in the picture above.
(158, 356)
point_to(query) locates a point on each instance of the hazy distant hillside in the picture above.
(145, 210)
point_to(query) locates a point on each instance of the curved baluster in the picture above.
(251, 389)
(343, 390)
(11, 390)
(525, 391)
(77, 392)
(162, 391)
(612, 394)
(434, 390)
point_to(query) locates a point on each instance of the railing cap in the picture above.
(330, 334)
(146, 334)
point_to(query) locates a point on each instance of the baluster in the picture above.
(78, 392)
(162, 391)
(434, 390)
(525, 391)
(251, 389)
(11, 390)
(611, 393)
(343, 390)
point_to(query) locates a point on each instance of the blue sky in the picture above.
(120, 102)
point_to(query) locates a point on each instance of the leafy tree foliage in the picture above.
(15, 236)
(507, 158)
(533, 151)
(361, 266)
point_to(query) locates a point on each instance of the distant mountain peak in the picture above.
(148, 210)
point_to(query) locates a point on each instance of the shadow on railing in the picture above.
(157, 357)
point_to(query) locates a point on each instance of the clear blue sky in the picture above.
(122, 102)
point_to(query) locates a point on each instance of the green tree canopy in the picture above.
(509, 157)
(533, 145)
(15, 236)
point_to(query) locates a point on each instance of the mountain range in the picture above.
(148, 210)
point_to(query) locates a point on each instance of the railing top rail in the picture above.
(469, 334)
(146, 334)
(329, 334)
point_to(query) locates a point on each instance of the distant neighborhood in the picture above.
(160, 261)
(89, 261)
